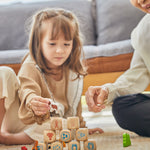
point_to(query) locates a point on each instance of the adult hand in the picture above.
(95, 97)
(40, 105)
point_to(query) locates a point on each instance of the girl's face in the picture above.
(143, 5)
(55, 51)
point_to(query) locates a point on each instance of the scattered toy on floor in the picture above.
(126, 140)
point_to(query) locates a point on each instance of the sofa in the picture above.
(105, 25)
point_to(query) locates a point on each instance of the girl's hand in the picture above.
(92, 131)
(40, 105)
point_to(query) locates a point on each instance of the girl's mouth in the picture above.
(58, 58)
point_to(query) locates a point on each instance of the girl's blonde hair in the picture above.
(64, 22)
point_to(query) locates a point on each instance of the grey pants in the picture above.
(132, 112)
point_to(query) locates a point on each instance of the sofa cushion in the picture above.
(12, 56)
(110, 49)
(115, 20)
(90, 51)
(13, 18)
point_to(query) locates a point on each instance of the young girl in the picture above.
(50, 80)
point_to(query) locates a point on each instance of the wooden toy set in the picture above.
(57, 138)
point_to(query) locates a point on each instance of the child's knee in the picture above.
(6, 72)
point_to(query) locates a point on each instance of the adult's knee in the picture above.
(119, 112)
(116, 106)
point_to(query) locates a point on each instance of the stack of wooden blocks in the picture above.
(57, 138)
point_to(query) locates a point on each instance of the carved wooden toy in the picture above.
(90, 145)
(82, 134)
(42, 146)
(73, 123)
(49, 136)
(74, 145)
(56, 146)
(64, 141)
(65, 136)
(56, 123)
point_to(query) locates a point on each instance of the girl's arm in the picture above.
(30, 89)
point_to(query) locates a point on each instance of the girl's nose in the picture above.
(59, 50)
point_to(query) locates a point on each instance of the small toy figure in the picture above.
(126, 140)
(35, 145)
(23, 148)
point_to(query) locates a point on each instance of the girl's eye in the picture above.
(67, 44)
(52, 43)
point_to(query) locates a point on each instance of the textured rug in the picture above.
(111, 139)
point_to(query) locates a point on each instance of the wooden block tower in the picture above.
(71, 138)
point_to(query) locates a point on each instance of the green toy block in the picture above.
(126, 140)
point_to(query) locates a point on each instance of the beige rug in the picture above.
(111, 139)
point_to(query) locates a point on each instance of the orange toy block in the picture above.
(56, 123)
(49, 136)
(73, 123)
(56, 146)
(82, 134)
(90, 145)
(65, 135)
(74, 145)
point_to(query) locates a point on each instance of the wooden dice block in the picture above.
(56, 146)
(90, 145)
(74, 145)
(73, 123)
(49, 136)
(65, 135)
(82, 134)
(42, 146)
(56, 123)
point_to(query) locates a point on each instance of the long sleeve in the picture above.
(29, 87)
(134, 80)
(137, 77)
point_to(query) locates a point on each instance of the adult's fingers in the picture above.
(91, 98)
(89, 95)
(103, 95)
